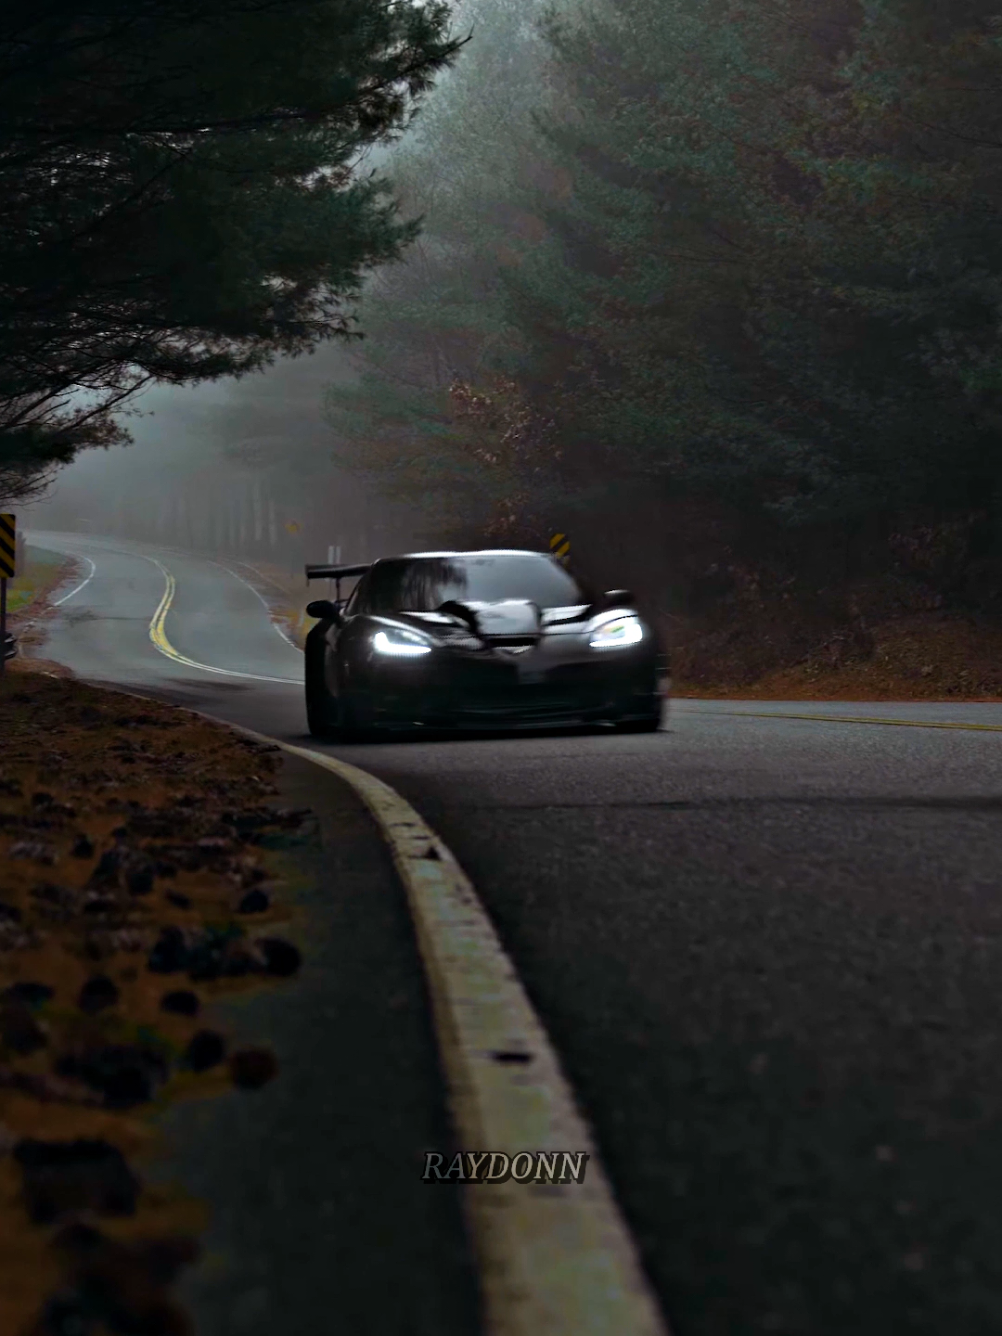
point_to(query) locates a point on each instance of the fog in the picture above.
(240, 467)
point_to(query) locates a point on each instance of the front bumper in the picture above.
(549, 684)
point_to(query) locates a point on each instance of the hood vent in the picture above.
(511, 622)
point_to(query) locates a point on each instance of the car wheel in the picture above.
(649, 725)
(318, 714)
(351, 721)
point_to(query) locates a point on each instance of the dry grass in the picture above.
(36, 581)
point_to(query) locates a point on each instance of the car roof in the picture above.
(477, 552)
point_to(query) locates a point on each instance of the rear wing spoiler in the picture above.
(335, 572)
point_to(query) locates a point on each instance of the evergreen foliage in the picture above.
(180, 193)
(746, 252)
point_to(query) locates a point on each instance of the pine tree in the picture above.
(180, 196)
(434, 412)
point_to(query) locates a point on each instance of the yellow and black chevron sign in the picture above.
(560, 546)
(8, 547)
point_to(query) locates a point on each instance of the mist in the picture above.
(237, 467)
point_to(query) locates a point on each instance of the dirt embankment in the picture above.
(137, 884)
(893, 637)
(932, 657)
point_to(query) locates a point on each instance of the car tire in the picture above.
(319, 705)
(351, 725)
(649, 725)
(318, 715)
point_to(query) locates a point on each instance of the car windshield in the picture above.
(423, 584)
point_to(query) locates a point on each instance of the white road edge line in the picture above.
(554, 1259)
(257, 594)
(56, 602)
(65, 598)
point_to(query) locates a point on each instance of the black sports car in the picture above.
(476, 640)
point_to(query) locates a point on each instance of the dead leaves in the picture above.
(155, 825)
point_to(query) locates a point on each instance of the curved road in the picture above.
(767, 948)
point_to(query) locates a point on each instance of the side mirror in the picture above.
(618, 598)
(324, 610)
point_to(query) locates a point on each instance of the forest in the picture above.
(711, 286)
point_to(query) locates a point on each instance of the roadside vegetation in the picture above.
(140, 849)
(38, 575)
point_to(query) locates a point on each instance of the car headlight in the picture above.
(400, 644)
(616, 632)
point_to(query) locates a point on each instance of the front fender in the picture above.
(320, 659)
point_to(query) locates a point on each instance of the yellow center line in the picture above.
(856, 719)
(158, 635)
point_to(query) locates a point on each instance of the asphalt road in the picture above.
(767, 949)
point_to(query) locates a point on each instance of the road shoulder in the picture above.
(320, 1218)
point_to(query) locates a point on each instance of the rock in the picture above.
(251, 1068)
(280, 957)
(99, 903)
(181, 1001)
(178, 899)
(140, 880)
(254, 902)
(240, 959)
(19, 1031)
(35, 850)
(30, 993)
(97, 993)
(170, 952)
(83, 848)
(47, 1088)
(207, 953)
(205, 1050)
(107, 871)
(81, 1175)
(124, 1074)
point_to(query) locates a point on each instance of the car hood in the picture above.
(504, 622)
